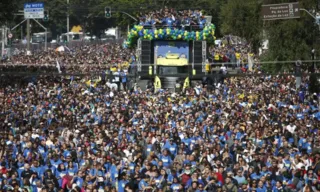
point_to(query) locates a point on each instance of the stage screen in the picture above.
(163, 48)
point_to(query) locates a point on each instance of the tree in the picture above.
(290, 40)
(242, 18)
(8, 8)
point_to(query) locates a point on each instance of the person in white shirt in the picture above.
(291, 128)
(223, 69)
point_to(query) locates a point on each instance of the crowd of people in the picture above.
(232, 54)
(90, 57)
(256, 134)
(172, 18)
(82, 133)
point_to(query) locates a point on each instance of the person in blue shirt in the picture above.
(175, 186)
(78, 179)
(166, 158)
(123, 180)
(55, 161)
(36, 168)
(261, 187)
(169, 21)
(256, 174)
(171, 146)
(194, 178)
(144, 183)
(123, 80)
(278, 187)
(61, 172)
(201, 188)
(71, 169)
(201, 22)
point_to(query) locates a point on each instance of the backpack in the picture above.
(229, 189)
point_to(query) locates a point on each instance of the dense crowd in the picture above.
(235, 55)
(172, 18)
(248, 134)
(107, 56)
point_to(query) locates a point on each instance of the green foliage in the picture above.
(243, 19)
(290, 40)
(7, 10)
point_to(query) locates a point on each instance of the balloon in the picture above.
(139, 32)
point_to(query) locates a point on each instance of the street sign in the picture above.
(10, 35)
(281, 11)
(34, 10)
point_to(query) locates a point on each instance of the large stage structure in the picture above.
(171, 63)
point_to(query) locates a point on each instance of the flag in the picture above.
(93, 83)
(62, 49)
(58, 66)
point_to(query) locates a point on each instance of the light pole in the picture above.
(313, 50)
(46, 33)
(68, 27)
(314, 17)
(132, 17)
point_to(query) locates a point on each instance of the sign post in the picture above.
(281, 11)
(34, 10)
(46, 34)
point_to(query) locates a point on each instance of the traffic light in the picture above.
(107, 11)
(46, 16)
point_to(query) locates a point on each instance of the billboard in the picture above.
(167, 50)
